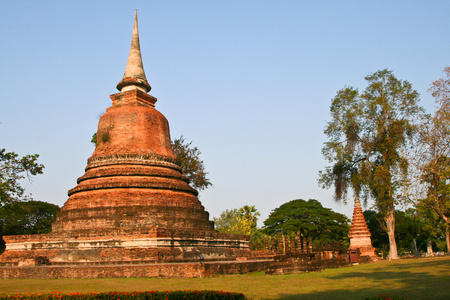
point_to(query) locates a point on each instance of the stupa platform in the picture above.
(122, 245)
(165, 269)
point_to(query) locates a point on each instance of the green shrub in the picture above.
(105, 137)
(149, 295)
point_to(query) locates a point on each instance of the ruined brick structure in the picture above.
(134, 214)
(360, 241)
(133, 204)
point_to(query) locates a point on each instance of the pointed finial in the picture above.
(134, 76)
(357, 203)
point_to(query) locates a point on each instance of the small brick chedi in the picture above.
(133, 204)
(359, 234)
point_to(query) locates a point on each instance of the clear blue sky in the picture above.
(249, 82)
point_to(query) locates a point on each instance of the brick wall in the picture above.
(174, 270)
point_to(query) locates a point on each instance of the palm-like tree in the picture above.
(249, 213)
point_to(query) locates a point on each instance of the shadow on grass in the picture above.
(344, 294)
(409, 281)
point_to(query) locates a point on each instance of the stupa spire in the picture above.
(134, 76)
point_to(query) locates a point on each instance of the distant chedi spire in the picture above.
(359, 233)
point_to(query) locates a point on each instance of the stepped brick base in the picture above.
(272, 265)
(116, 246)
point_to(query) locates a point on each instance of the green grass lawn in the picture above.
(422, 278)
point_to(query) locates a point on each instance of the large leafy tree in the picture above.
(309, 218)
(432, 153)
(191, 165)
(12, 170)
(228, 222)
(26, 217)
(238, 220)
(367, 137)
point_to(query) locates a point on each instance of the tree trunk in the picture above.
(384, 251)
(429, 249)
(416, 252)
(447, 237)
(446, 220)
(389, 218)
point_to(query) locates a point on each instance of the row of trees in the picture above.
(382, 146)
(416, 232)
(310, 218)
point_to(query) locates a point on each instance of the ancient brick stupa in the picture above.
(359, 234)
(132, 205)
